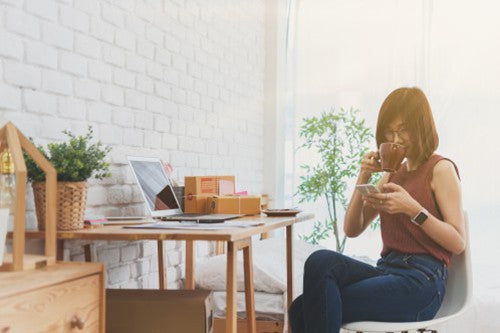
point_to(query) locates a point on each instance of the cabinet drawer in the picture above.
(66, 307)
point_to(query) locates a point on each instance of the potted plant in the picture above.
(341, 141)
(75, 161)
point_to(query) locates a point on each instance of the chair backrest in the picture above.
(459, 285)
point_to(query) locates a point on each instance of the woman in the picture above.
(422, 225)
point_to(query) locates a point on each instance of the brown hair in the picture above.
(413, 107)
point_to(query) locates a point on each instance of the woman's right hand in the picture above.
(370, 164)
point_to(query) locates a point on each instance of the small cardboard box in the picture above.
(197, 189)
(150, 310)
(234, 204)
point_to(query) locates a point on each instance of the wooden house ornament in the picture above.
(16, 142)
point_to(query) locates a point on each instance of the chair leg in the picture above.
(423, 330)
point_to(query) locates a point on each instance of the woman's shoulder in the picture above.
(444, 167)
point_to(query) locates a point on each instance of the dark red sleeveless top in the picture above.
(398, 232)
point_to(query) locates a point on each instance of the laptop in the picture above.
(159, 194)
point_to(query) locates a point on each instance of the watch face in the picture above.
(420, 218)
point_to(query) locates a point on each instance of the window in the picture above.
(353, 53)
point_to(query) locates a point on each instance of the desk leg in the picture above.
(289, 265)
(249, 290)
(87, 253)
(162, 275)
(231, 288)
(190, 264)
(60, 250)
(219, 247)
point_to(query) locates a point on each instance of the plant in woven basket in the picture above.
(75, 161)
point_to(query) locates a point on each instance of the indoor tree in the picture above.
(341, 140)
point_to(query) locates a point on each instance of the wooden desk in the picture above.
(238, 238)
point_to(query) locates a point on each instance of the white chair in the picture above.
(457, 299)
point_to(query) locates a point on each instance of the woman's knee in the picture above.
(319, 259)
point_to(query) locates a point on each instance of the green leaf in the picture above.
(74, 160)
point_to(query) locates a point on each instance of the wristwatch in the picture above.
(421, 217)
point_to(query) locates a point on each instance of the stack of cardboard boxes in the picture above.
(216, 194)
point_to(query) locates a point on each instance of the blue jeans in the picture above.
(339, 289)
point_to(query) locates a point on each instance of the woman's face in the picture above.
(397, 132)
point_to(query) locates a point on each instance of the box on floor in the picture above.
(150, 310)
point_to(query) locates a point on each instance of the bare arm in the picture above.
(449, 233)
(359, 216)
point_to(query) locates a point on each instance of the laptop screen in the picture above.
(154, 184)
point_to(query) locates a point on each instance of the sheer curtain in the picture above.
(352, 53)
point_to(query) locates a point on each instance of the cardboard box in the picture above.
(234, 204)
(150, 310)
(198, 188)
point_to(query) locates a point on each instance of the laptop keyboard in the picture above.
(186, 215)
(170, 217)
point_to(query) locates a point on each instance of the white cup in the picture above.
(4, 221)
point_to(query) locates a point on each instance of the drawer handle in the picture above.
(77, 322)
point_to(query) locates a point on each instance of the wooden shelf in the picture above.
(31, 261)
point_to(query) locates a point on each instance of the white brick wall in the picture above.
(179, 79)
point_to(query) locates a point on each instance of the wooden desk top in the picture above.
(121, 233)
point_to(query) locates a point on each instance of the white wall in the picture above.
(179, 79)
(274, 98)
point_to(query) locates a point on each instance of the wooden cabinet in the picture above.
(65, 297)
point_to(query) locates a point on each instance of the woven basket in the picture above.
(71, 202)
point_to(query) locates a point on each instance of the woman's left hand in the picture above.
(394, 200)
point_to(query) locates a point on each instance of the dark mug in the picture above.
(391, 156)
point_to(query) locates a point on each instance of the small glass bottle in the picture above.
(7, 181)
